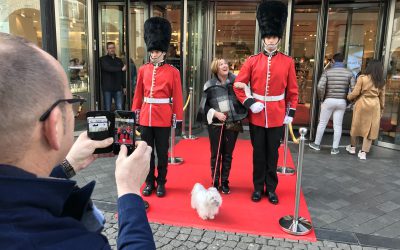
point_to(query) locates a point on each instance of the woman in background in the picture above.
(369, 97)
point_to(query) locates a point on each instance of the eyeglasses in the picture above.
(76, 102)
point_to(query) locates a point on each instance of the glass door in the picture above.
(352, 32)
(112, 28)
(73, 49)
(303, 47)
(390, 121)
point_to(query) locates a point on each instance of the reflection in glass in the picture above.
(303, 46)
(390, 122)
(73, 50)
(235, 33)
(21, 18)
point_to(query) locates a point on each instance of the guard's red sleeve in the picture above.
(177, 103)
(292, 91)
(138, 98)
(244, 76)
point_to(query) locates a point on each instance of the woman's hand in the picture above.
(239, 85)
(220, 116)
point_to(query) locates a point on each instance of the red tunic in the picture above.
(158, 82)
(281, 81)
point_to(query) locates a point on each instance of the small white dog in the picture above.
(206, 201)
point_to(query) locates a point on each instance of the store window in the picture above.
(390, 122)
(21, 18)
(73, 53)
(235, 32)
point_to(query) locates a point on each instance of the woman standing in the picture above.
(369, 97)
(221, 110)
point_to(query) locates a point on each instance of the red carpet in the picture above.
(238, 213)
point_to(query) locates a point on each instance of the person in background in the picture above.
(113, 81)
(369, 98)
(274, 91)
(41, 207)
(221, 110)
(333, 86)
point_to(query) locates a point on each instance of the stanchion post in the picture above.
(191, 111)
(284, 169)
(172, 160)
(296, 225)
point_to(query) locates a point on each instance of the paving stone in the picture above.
(267, 248)
(175, 243)
(286, 244)
(273, 243)
(221, 236)
(194, 238)
(171, 235)
(343, 246)
(329, 244)
(261, 241)
(165, 240)
(231, 243)
(247, 239)
(159, 244)
(198, 232)
(201, 245)
(226, 248)
(299, 246)
(354, 247)
(189, 244)
(253, 246)
(242, 245)
(209, 235)
(313, 247)
(182, 237)
(186, 230)
(207, 240)
(234, 237)
(161, 233)
(168, 247)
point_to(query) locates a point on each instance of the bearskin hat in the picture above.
(157, 34)
(271, 17)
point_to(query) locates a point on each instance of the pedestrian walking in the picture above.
(334, 85)
(369, 98)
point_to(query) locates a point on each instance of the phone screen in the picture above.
(124, 130)
(100, 125)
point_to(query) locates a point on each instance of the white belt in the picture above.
(269, 98)
(158, 100)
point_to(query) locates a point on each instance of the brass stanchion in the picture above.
(191, 107)
(284, 169)
(172, 160)
(296, 225)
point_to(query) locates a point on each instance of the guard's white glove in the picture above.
(287, 120)
(257, 107)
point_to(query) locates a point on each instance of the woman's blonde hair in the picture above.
(214, 65)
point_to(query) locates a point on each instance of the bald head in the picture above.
(31, 80)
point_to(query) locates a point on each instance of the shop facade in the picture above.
(76, 31)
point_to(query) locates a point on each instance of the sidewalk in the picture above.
(353, 204)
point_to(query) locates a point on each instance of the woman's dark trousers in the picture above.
(228, 141)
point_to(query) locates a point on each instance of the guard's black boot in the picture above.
(256, 196)
(273, 198)
(148, 189)
(161, 190)
(225, 187)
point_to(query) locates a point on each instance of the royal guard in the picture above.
(158, 100)
(271, 76)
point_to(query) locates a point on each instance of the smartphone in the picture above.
(124, 131)
(100, 125)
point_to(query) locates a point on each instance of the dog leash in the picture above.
(219, 146)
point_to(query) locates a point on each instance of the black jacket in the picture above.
(215, 95)
(112, 76)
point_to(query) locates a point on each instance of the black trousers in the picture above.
(158, 139)
(228, 141)
(266, 142)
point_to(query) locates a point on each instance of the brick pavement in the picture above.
(350, 201)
